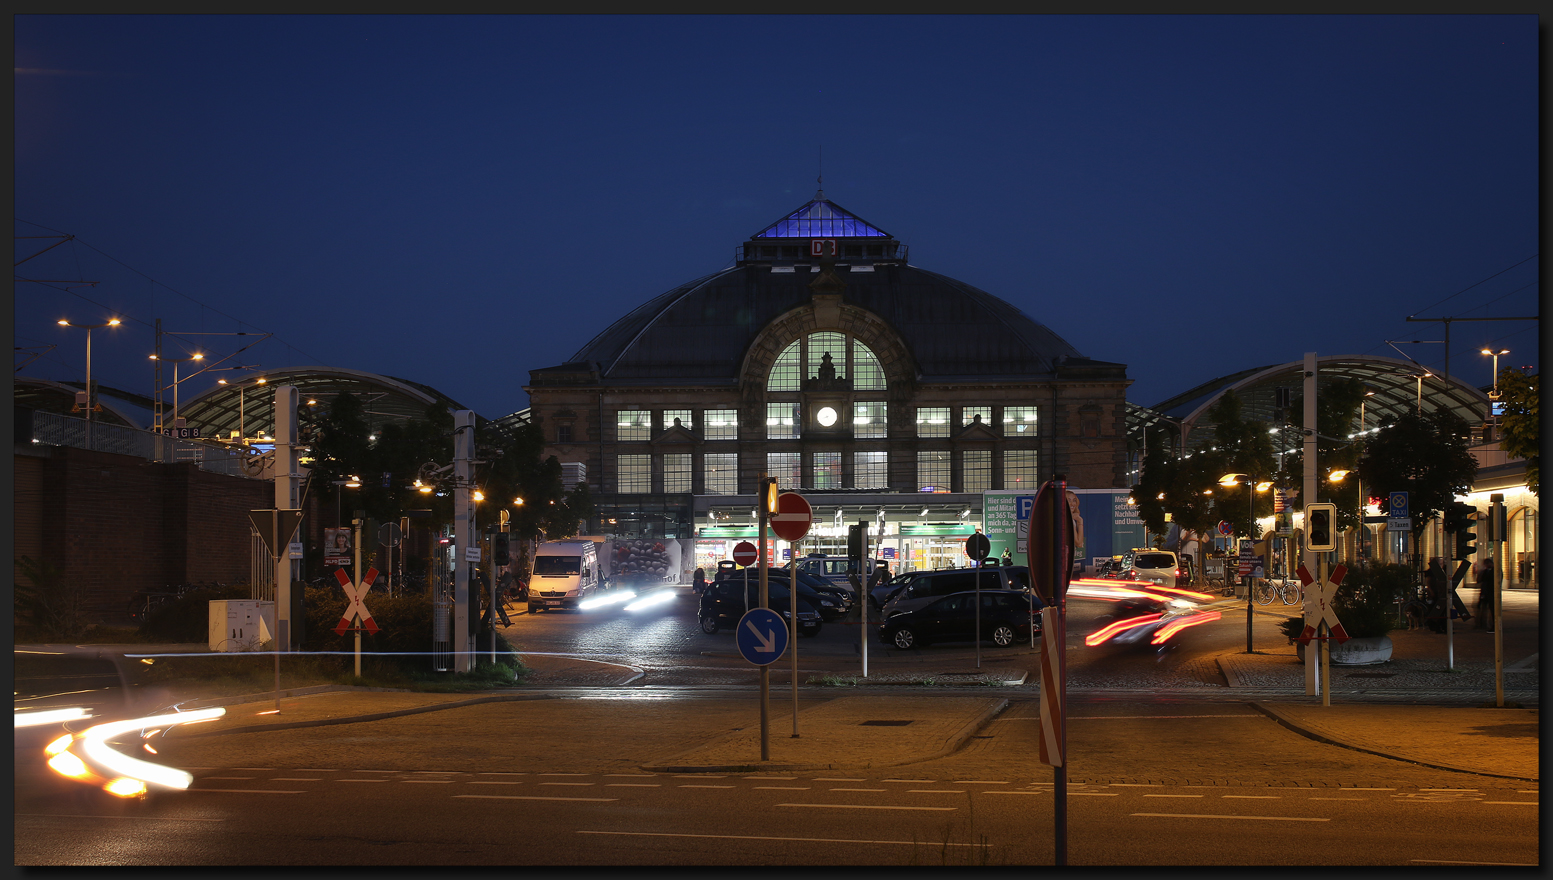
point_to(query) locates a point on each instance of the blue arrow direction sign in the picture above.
(762, 636)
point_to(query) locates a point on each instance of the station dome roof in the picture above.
(699, 331)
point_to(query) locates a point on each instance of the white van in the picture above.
(831, 568)
(564, 573)
(1156, 566)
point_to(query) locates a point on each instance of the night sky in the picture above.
(459, 200)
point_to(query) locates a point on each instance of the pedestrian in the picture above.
(1435, 585)
(1486, 578)
(699, 584)
(1008, 557)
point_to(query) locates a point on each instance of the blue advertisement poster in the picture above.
(1106, 524)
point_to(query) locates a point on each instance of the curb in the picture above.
(1306, 732)
(376, 716)
(964, 733)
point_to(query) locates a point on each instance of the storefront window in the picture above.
(633, 424)
(933, 421)
(634, 473)
(722, 473)
(869, 420)
(676, 472)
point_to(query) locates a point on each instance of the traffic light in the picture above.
(855, 547)
(1453, 517)
(499, 548)
(1320, 527)
(770, 491)
(1465, 535)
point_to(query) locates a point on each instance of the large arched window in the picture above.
(803, 358)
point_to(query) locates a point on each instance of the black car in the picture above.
(929, 585)
(1005, 619)
(724, 602)
(830, 601)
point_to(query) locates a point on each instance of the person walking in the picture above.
(1486, 578)
(699, 584)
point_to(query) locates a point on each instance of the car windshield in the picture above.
(555, 565)
(1154, 560)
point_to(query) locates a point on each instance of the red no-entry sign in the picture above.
(745, 553)
(793, 517)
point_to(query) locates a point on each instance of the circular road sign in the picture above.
(762, 636)
(389, 535)
(745, 553)
(977, 546)
(793, 516)
(1225, 528)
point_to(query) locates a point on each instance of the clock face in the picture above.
(826, 416)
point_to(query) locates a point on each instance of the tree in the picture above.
(1424, 455)
(1337, 417)
(1518, 392)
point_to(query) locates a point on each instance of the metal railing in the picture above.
(54, 429)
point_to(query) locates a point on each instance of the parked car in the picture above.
(929, 585)
(831, 601)
(723, 603)
(832, 568)
(1005, 619)
(881, 594)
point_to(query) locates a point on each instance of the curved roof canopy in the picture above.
(248, 407)
(44, 395)
(699, 331)
(1395, 386)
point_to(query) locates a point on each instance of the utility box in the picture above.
(241, 624)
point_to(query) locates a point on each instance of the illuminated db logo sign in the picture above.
(819, 247)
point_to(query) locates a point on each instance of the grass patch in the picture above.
(200, 677)
(831, 680)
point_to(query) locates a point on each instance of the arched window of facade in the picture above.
(804, 357)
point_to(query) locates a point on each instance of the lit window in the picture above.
(684, 416)
(784, 373)
(1018, 420)
(721, 424)
(722, 473)
(827, 343)
(1019, 469)
(786, 467)
(977, 464)
(867, 375)
(968, 415)
(633, 424)
(563, 433)
(933, 471)
(868, 419)
(932, 421)
(634, 474)
(870, 470)
(676, 472)
(781, 421)
(827, 470)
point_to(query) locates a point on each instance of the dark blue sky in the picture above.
(458, 200)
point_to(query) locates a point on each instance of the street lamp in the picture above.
(1495, 355)
(242, 424)
(1421, 377)
(1252, 487)
(353, 483)
(91, 399)
(175, 362)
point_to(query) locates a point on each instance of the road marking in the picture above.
(688, 785)
(1350, 800)
(918, 781)
(694, 776)
(493, 782)
(139, 818)
(227, 777)
(1015, 792)
(563, 774)
(1358, 788)
(247, 769)
(1498, 864)
(1135, 717)
(797, 839)
(1174, 795)
(858, 789)
(307, 770)
(530, 797)
(569, 783)
(1527, 803)
(1097, 793)
(632, 785)
(1249, 797)
(978, 782)
(629, 775)
(1473, 790)
(363, 780)
(828, 779)
(865, 807)
(374, 771)
(1208, 816)
(427, 781)
(1136, 785)
(781, 788)
(779, 778)
(245, 790)
(497, 773)
(291, 779)
(936, 791)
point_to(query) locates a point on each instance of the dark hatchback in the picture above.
(1005, 619)
(723, 603)
(830, 601)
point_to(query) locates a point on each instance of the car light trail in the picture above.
(611, 599)
(1111, 630)
(130, 775)
(651, 600)
(52, 716)
(1181, 623)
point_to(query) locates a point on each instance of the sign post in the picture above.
(1321, 622)
(356, 593)
(791, 524)
(1051, 565)
(977, 546)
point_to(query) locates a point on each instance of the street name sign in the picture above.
(761, 635)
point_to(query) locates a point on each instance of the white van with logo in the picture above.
(564, 573)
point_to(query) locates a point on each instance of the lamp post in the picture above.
(1421, 377)
(91, 399)
(1495, 355)
(1252, 487)
(242, 425)
(353, 483)
(175, 362)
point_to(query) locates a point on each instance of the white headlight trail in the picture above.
(94, 742)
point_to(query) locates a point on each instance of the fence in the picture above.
(54, 429)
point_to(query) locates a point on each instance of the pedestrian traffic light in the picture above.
(1320, 527)
(499, 548)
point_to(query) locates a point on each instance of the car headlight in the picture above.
(827, 603)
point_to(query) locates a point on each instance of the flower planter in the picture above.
(1356, 652)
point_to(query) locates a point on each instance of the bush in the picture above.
(1367, 601)
(47, 607)
(403, 640)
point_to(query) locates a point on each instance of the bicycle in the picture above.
(1287, 590)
